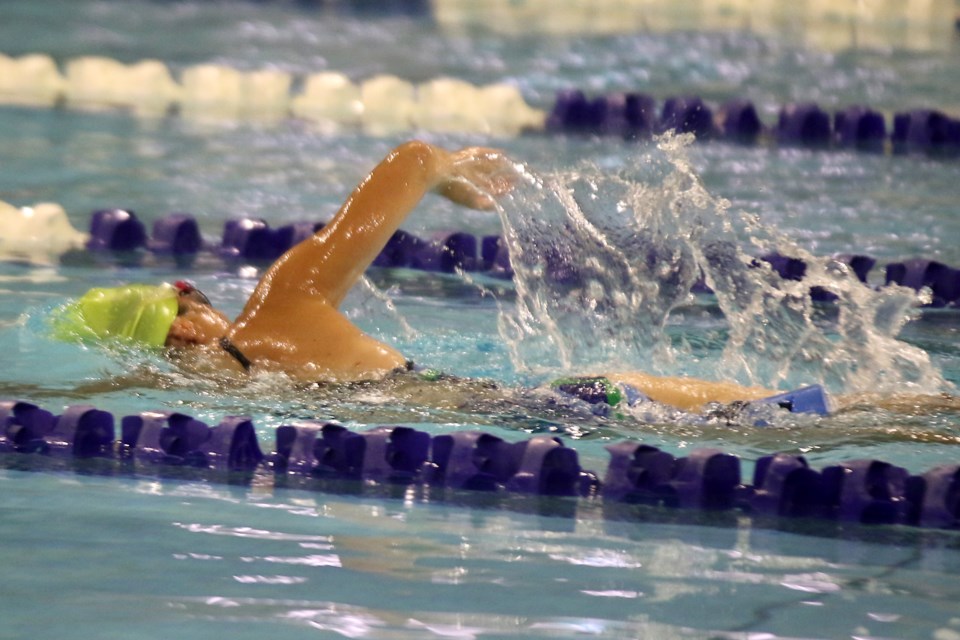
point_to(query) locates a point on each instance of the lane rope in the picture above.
(387, 104)
(784, 486)
(42, 234)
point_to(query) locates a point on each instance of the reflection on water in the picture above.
(205, 561)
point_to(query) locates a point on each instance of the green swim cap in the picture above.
(137, 312)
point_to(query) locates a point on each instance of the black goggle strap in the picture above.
(187, 289)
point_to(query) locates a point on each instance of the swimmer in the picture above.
(292, 322)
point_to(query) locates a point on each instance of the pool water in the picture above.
(87, 555)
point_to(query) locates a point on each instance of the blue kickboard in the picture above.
(812, 399)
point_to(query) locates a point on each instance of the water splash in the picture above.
(604, 260)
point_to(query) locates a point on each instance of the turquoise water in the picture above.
(92, 556)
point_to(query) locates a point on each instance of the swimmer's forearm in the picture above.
(690, 394)
(373, 212)
(331, 262)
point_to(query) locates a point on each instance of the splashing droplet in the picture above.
(602, 259)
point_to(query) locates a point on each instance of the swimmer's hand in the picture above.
(474, 177)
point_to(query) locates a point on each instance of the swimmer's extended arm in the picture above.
(689, 394)
(330, 263)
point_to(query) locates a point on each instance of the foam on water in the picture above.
(605, 255)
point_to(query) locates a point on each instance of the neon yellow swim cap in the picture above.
(137, 312)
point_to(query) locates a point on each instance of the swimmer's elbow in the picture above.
(415, 149)
(421, 157)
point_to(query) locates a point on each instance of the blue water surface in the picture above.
(137, 556)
